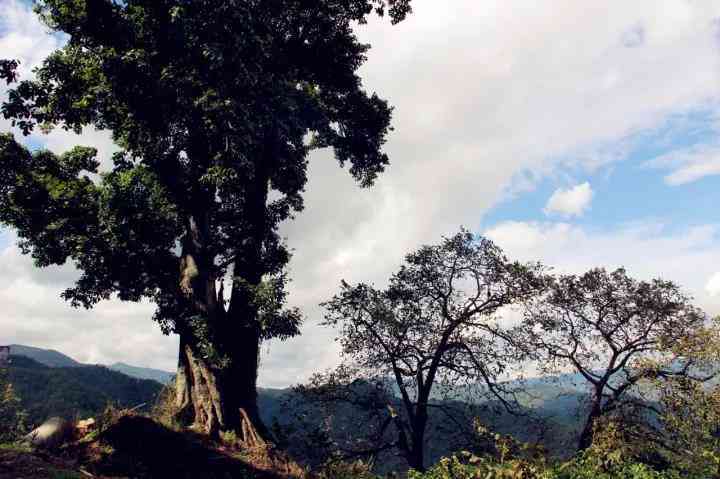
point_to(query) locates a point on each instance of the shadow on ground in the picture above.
(137, 446)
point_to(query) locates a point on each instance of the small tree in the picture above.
(12, 417)
(617, 333)
(432, 328)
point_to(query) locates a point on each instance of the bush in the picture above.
(586, 466)
(345, 470)
(13, 420)
(610, 457)
(164, 409)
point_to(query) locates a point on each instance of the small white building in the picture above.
(4, 355)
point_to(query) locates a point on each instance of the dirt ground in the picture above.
(134, 446)
(18, 463)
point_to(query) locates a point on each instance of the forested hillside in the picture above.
(158, 375)
(81, 391)
(48, 357)
(85, 391)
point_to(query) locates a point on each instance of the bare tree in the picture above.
(434, 327)
(618, 333)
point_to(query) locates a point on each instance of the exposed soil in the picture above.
(135, 446)
(23, 464)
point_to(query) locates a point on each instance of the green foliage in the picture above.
(212, 104)
(345, 470)
(75, 391)
(468, 466)
(215, 107)
(13, 420)
(611, 456)
(164, 409)
(433, 328)
(586, 466)
(691, 422)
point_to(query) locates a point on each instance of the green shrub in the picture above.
(610, 457)
(13, 420)
(468, 466)
(345, 470)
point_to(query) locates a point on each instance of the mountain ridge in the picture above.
(140, 372)
(53, 358)
(49, 357)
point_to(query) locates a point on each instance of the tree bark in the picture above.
(416, 458)
(198, 392)
(586, 437)
(224, 396)
(215, 385)
(213, 398)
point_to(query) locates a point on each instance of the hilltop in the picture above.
(48, 357)
(54, 359)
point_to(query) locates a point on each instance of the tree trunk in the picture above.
(198, 392)
(223, 391)
(586, 437)
(214, 398)
(216, 384)
(416, 458)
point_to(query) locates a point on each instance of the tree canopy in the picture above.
(215, 107)
(618, 333)
(433, 326)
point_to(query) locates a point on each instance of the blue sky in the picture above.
(630, 190)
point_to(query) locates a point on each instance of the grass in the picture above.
(21, 447)
(65, 475)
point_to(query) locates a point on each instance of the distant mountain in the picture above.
(75, 391)
(158, 375)
(48, 357)
(50, 383)
(56, 359)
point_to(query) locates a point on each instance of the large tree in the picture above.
(433, 328)
(619, 334)
(215, 107)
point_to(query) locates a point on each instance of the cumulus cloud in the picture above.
(489, 98)
(646, 249)
(570, 202)
(34, 314)
(23, 37)
(712, 287)
(689, 164)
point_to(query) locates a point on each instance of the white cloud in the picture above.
(485, 93)
(689, 164)
(712, 287)
(33, 313)
(570, 202)
(23, 37)
(646, 250)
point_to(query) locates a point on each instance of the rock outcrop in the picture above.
(51, 434)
